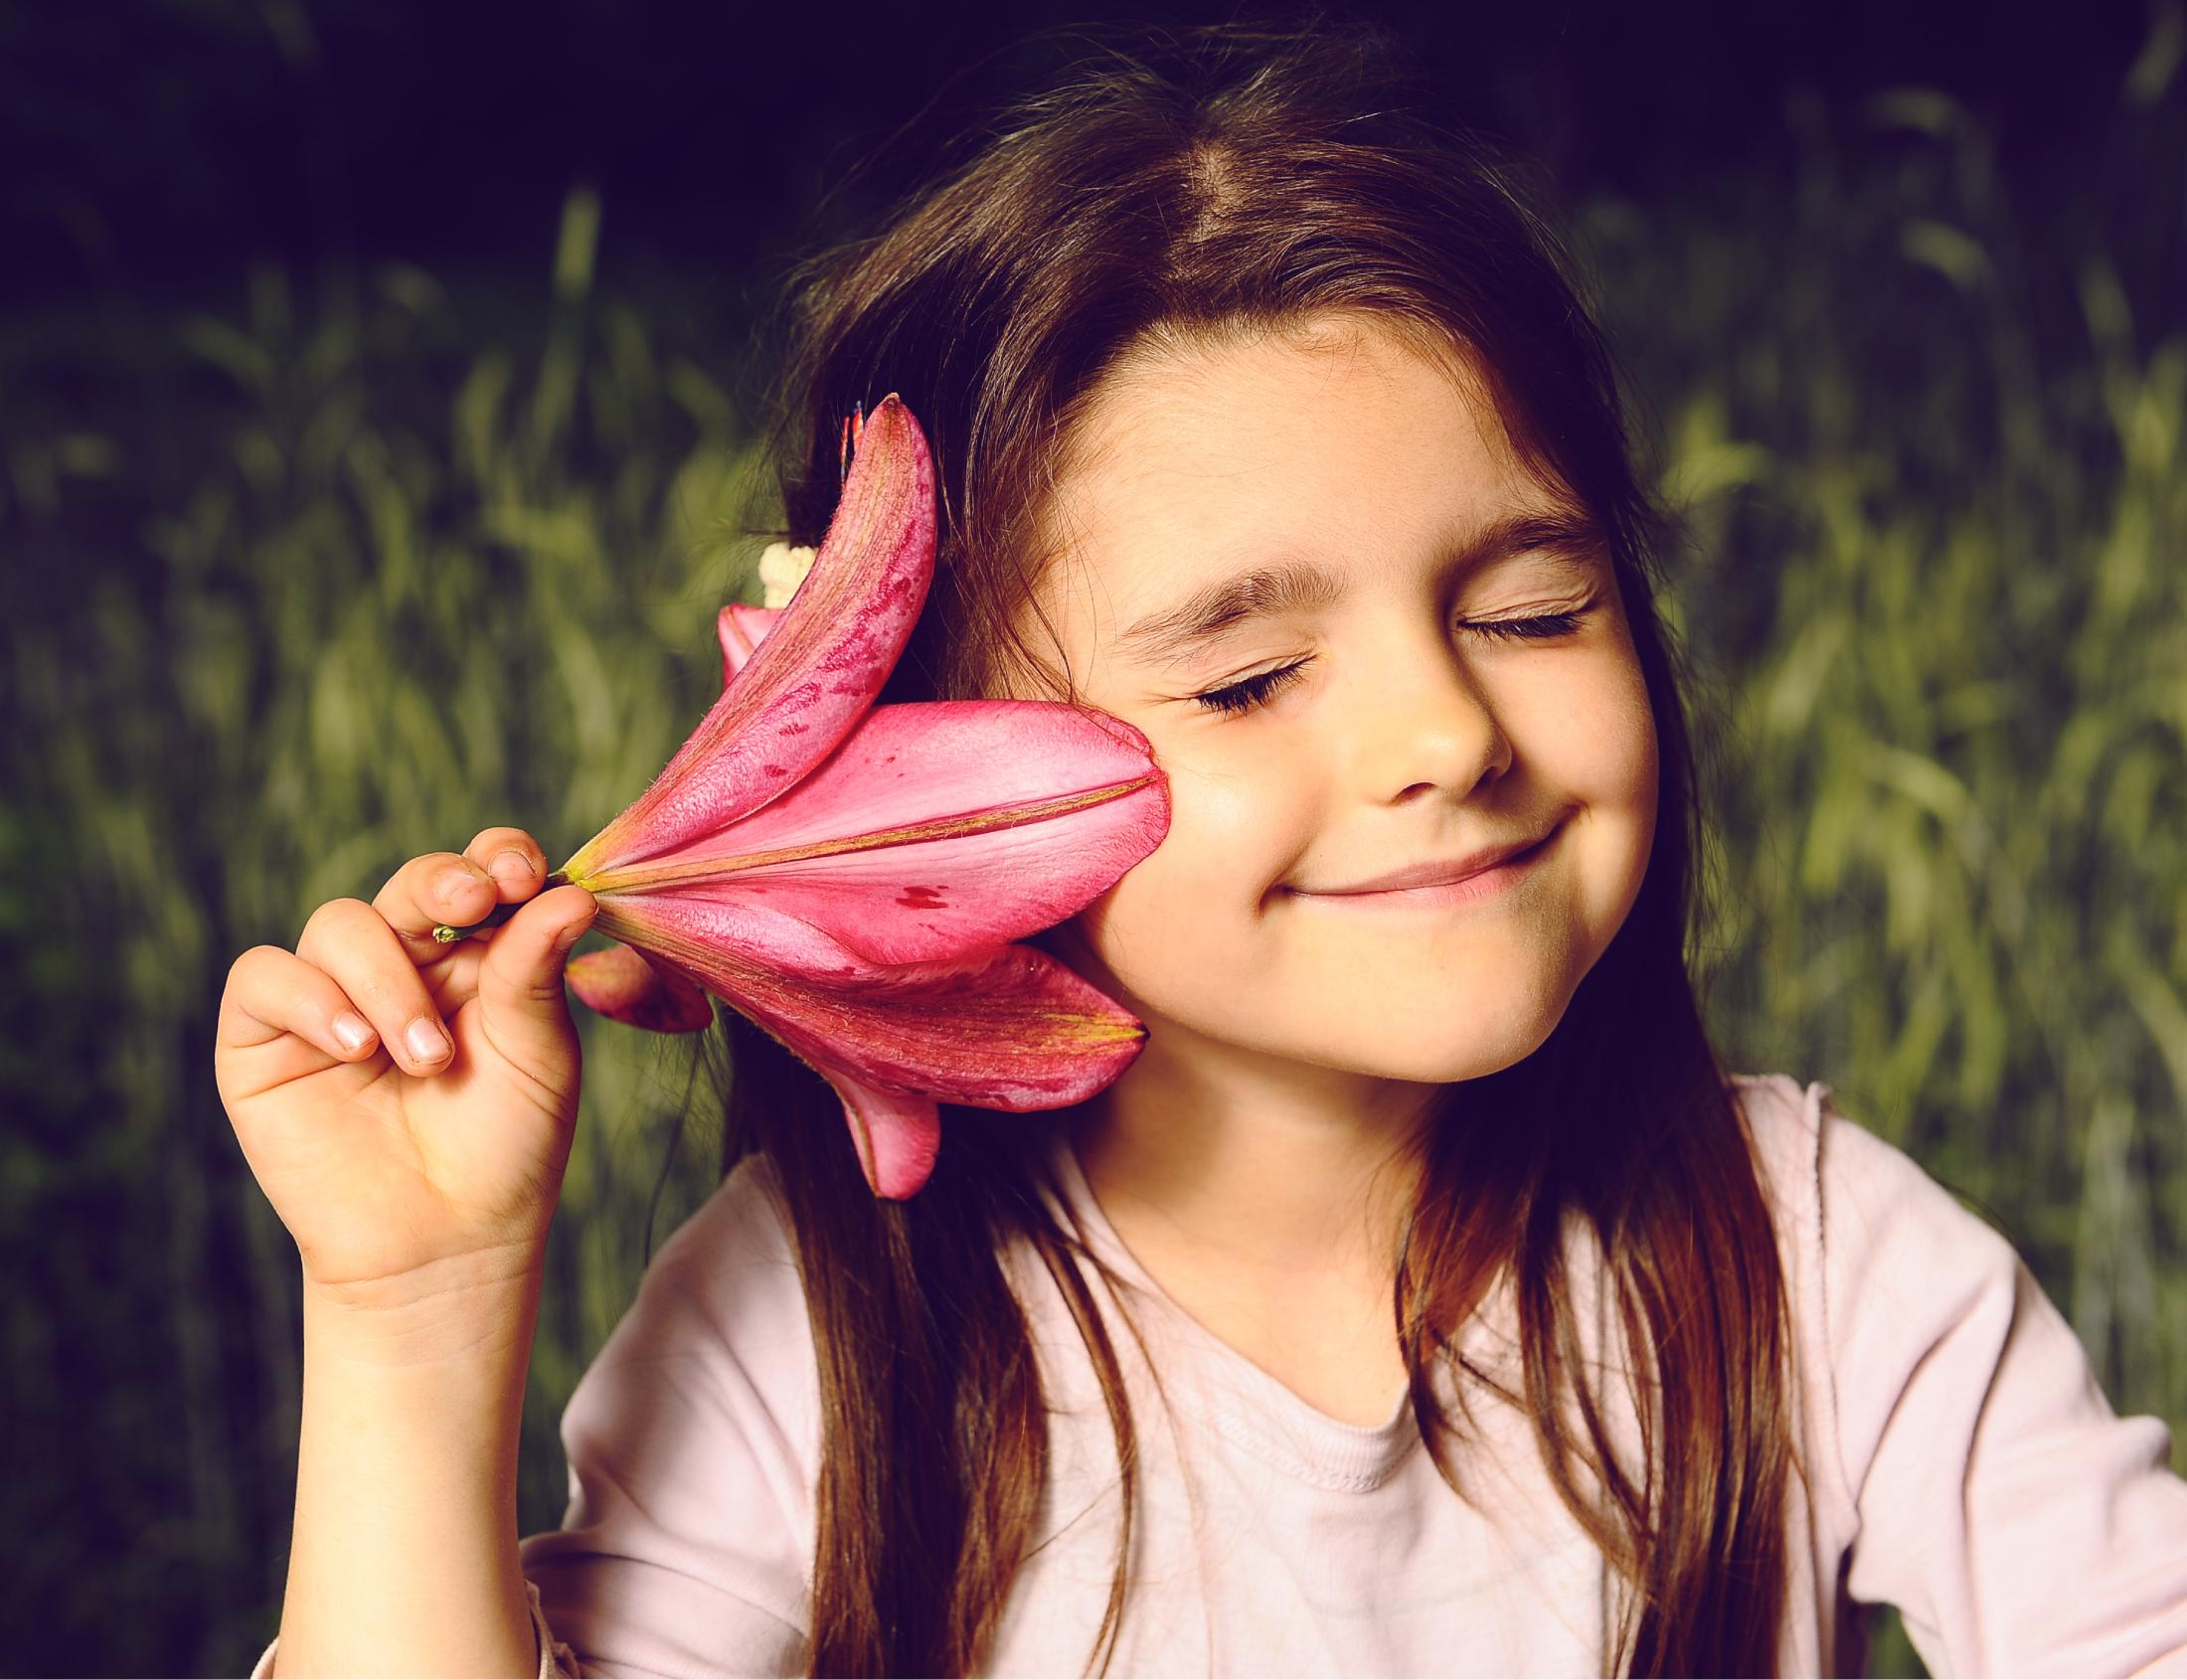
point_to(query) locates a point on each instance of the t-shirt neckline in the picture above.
(1227, 1392)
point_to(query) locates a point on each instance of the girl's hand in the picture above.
(406, 1167)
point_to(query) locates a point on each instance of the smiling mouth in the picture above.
(1484, 883)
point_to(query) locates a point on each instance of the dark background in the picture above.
(162, 145)
(375, 446)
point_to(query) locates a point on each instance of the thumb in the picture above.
(520, 995)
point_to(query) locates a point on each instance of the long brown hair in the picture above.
(1250, 178)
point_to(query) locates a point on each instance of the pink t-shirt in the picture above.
(1965, 1468)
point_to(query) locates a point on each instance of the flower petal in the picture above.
(896, 1136)
(625, 986)
(741, 628)
(941, 828)
(1008, 1027)
(820, 667)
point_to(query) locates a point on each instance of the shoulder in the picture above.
(1784, 1122)
(1849, 1194)
(1980, 1477)
(693, 1445)
(732, 1267)
(718, 1337)
(1884, 1266)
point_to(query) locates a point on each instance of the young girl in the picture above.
(1426, 1298)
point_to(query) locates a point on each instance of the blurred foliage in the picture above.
(340, 591)
(297, 592)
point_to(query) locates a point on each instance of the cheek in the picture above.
(1622, 751)
(1586, 727)
(1638, 756)
(1236, 828)
(1612, 767)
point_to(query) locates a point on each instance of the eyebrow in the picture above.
(1302, 585)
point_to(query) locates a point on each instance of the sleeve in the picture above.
(693, 1443)
(2018, 1524)
(556, 1660)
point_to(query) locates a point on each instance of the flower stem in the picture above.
(494, 918)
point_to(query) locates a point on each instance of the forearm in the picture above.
(405, 1559)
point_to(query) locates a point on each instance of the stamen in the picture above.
(854, 427)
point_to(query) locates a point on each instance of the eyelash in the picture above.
(1235, 699)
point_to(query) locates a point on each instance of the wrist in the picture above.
(415, 1413)
(476, 1312)
(471, 1326)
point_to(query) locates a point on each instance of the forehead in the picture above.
(1270, 386)
(1328, 445)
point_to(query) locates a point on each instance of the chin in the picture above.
(1457, 1049)
(1454, 1066)
(1434, 1057)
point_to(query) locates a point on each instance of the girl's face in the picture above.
(1371, 723)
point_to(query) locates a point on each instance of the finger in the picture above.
(429, 890)
(521, 1007)
(358, 948)
(272, 991)
(516, 861)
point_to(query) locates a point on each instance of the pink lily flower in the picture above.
(851, 877)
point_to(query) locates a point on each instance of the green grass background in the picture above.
(307, 578)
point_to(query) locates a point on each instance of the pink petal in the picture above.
(1007, 1028)
(820, 667)
(896, 1136)
(941, 828)
(625, 986)
(742, 629)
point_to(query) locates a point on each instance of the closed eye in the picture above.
(1541, 625)
(1244, 695)
(1248, 692)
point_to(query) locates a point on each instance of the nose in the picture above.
(1421, 720)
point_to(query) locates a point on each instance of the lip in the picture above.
(1453, 872)
(1483, 883)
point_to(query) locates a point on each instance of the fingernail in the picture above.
(511, 867)
(571, 935)
(353, 1032)
(426, 1041)
(451, 884)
